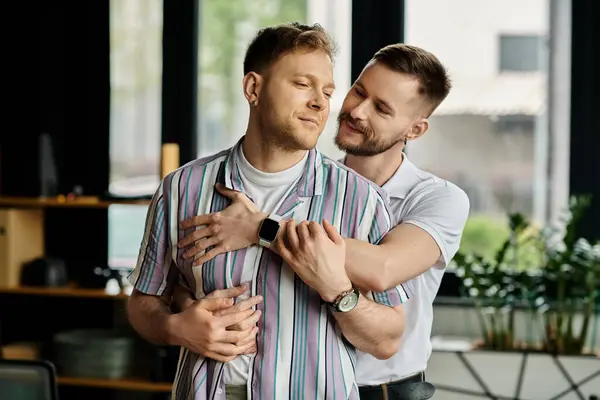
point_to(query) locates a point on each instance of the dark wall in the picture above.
(585, 119)
(73, 79)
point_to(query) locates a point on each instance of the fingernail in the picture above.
(259, 298)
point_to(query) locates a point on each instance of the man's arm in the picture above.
(357, 326)
(151, 318)
(316, 253)
(404, 253)
(198, 328)
(431, 232)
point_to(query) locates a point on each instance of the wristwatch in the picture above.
(345, 302)
(269, 228)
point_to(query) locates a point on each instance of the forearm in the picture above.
(367, 266)
(151, 318)
(182, 299)
(373, 328)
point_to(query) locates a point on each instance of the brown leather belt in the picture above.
(385, 391)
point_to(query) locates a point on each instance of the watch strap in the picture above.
(335, 305)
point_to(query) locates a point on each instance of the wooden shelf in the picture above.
(61, 292)
(61, 201)
(123, 384)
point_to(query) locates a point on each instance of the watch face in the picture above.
(348, 302)
(268, 230)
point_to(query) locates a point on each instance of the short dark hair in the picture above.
(421, 64)
(273, 42)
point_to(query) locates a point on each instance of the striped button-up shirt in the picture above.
(301, 350)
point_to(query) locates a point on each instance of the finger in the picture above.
(282, 249)
(224, 349)
(224, 191)
(234, 318)
(214, 303)
(251, 349)
(194, 237)
(241, 306)
(247, 323)
(249, 339)
(292, 235)
(234, 337)
(332, 232)
(197, 220)
(200, 246)
(209, 255)
(228, 293)
(303, 232)
(315, 229)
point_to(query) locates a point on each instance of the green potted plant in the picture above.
(563, 283)
(569, 285)
(497, 286)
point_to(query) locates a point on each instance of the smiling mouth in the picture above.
(309, 120)
(352, 126)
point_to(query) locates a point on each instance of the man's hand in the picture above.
(317, 254)
(239, 307)
(234, 228)
(213, 327)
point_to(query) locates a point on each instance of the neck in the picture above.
(379, 168)
(265, 156)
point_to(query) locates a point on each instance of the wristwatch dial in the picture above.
(268, 230)
(348, 302)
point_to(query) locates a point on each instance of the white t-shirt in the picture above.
(441, 209)
(266, 190)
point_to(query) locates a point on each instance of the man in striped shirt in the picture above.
(309, 321)
(387, 105)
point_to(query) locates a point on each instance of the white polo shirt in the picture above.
(440, 208)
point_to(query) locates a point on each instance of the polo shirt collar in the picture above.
(405, 177)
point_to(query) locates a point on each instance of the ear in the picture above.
(252, 85)
(418, 129)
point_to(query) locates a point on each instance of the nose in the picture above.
(318, 102)
(359, 111)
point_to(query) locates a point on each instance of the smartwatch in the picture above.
(345, 302)
(269, 228)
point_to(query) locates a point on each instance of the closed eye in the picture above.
(359, 92)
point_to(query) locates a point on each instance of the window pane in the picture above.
(226, 30)
(520, 52)
(490, 134)
(136, 74)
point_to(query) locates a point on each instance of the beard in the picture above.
(285, 135)
(370, 146)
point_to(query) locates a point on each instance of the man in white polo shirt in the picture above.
(388, 105)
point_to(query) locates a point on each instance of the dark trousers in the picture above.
(389, 391)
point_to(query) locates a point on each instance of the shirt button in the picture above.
(219, 391)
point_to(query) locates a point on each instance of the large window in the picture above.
(226, 30)
(136, 66)
(135, 78)
(490, 135)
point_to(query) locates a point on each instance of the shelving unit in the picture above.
(38, 206)
(121, 384)
(62, 292)
(62, 201)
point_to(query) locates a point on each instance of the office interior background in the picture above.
(519, 132)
